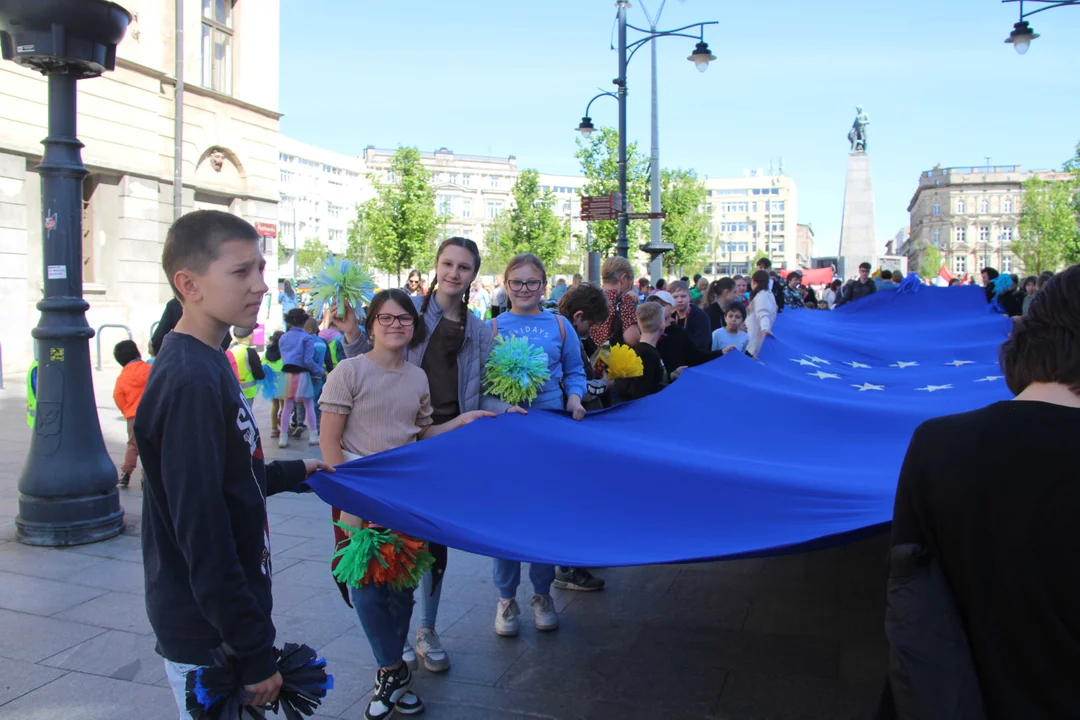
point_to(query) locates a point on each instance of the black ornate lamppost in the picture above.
(701, 57)
(67, 488)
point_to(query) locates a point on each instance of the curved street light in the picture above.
(701, 57)
(586, 127)
(1022, 34)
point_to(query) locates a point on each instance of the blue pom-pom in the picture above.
(516, 370)
(201, 693)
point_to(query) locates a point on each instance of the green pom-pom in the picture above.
(339, 283)
(358, 552)
(381, 557)
(516, 370)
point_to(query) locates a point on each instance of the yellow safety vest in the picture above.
(31, 394)
(248, 384)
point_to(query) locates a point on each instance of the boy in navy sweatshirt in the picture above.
(205, 534)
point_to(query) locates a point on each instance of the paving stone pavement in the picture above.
(790, 637)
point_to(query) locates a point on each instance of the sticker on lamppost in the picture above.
(57, 272)
(50, 220)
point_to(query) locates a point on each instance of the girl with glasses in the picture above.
(526, 281)
(371, 403)
(452, 352)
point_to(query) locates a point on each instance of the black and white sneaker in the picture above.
(392, 692)
(568, 578)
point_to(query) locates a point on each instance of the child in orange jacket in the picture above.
(126, 393)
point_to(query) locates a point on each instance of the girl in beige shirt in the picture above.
(371, 403)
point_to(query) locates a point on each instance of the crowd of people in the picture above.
(411, 365)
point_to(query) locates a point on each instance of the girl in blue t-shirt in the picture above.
(526, 281)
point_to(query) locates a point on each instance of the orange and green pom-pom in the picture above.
(381, 557)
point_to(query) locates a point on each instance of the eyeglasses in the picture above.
(530, 285)
(386, 319)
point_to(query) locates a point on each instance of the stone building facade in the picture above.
(971, 215)
(470, 190)
(125, 120)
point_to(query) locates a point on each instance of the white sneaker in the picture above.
(409, 656)
(313, 439)
(429, 649)
(283, 441)
(546, 617)
(506, 618)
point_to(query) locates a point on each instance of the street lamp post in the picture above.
(67, 488)
(701, 57)
(1022, 34)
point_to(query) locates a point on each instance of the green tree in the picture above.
(681, 196)
(498, 244)
(1047, 230)
(1072, 247)
(531, 225)
(599, 158)
(401, 222)
(930, 263)
(310, 257)
(753, 263)
(357, 247)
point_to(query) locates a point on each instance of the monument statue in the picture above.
(857, 135)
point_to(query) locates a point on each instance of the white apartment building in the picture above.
(319, 192)
(971, 215)
(125, 120)
(751, 214)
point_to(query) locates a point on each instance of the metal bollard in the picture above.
(125, 328)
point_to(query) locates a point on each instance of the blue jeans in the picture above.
(508, 576)
(384, 614)
(429, 603)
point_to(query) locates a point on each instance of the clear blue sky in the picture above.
(494, 77)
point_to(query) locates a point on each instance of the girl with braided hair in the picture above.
(452, 354)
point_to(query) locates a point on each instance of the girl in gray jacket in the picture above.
(453, 355)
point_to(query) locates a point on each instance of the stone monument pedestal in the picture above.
(858, 242)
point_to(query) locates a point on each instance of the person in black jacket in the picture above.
(1004, 537)
(205, 533)
(676, 348)
(858, 288)
(169, 317)
(690, 317)
(654, 375)
(720, 294)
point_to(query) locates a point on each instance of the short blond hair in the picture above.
(650, 317)
(614, 268)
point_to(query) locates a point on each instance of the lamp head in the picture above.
(701, 57)
(586, 127)
(1021, 36)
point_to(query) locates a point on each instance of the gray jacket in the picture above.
(471, 358)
